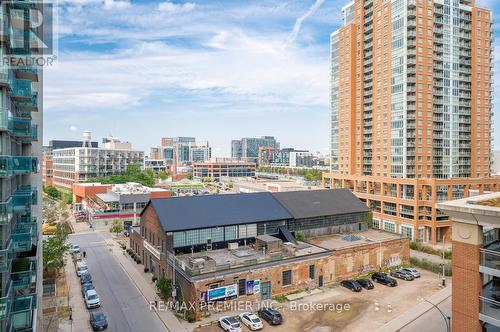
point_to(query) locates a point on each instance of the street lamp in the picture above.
(445, 317)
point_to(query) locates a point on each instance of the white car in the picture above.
(75, 248)
(92, 299)
(81, 268)
(229, 324)
(412, 271)
(252, 321)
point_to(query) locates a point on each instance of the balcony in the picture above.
(490, 262)
(5, 257)
(23, 273)
(6, 303)
(27, 73)
(489, 311)
(29, 105)
(21, 90)
(14, 165)
(22, 312)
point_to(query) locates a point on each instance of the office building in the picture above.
(411, 108)
(247, 148)
(244, 247)
(157, 165)
(475, 262)
(21, 135)
(185, 150)
(84, 164)
(220, 169)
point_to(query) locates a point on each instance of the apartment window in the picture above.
(242, 287)
(389, 226)
(286, 278)
(312, 271)
(407, 231)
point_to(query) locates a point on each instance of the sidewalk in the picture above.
(80, 314)
(144, 284)
(429, 257)
(417, 311)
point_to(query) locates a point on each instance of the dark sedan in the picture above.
(365, 283)
(98, 320)
(384, 279)
(86, 287)
(86, 278)
(351, 284)
(273, 317)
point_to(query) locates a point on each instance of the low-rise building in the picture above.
(251, 185)
(157, 165)
(103, 204)
(259, 245)
(220, 169)
(475, 262)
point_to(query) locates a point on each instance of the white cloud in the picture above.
(175, 8)
(298, 23)
(116, 4)
(73, 128)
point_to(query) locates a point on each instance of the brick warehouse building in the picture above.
(246, 246)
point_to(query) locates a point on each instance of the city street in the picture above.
(123, 304)
(432, 320)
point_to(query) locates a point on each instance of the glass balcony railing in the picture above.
(27, 73)
(14, 165)
(21, 317)
(21, 238)
(490, 260)
(21, 89)
(5, 257)
(489, 309)
(6, 303)
(23, 273)
(28, 105)
(20, 127)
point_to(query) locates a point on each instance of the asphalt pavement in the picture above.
(432, 320)
(125, 307)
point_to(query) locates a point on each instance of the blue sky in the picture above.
(217, 70)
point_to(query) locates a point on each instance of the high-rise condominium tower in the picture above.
(20, 180)
(411, 106)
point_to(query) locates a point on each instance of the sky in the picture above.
(217, 70)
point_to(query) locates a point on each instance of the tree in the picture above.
(116, 227)
(164, 287)
(52, 192)
(54, 248)
(162, 175)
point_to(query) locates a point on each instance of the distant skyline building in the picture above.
(411, 89)
(247, 148)
(186, 150)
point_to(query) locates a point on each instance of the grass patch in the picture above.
(431, 266)
(430, 250)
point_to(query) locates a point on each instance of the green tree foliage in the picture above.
(116, 227)
(52, 192)
(55, 247)
(162, 175)
(164, 287)
(133, 174)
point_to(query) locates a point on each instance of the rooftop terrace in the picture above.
(343, 241)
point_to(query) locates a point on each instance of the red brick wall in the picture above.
(466, 287)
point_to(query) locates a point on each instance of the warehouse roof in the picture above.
(316, 203)
(193, 212)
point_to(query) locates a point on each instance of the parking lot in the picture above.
(368, 309)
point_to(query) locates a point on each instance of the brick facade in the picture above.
(466, 287)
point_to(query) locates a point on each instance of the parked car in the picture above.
(98, 320)
(75, 248)
(229, 324)
(252, 321)
(92, 299)
(81, 268)
(365, 283)
(384, 279)
(351, 284)
(402, 275)
(86, 278)
(272, 316)
(412, 271)
(86, 287)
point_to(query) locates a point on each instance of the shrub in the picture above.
(430, 250)
(164, 287)
(189, 315)
(299, 236)
(280, 298)
(413, 246)
(154, 278)
(431, 266)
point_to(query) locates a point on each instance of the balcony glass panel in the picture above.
(6, 303)
(12, 165)
(489, 307)
(23, 273)
(21, 89)
(490, 259)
